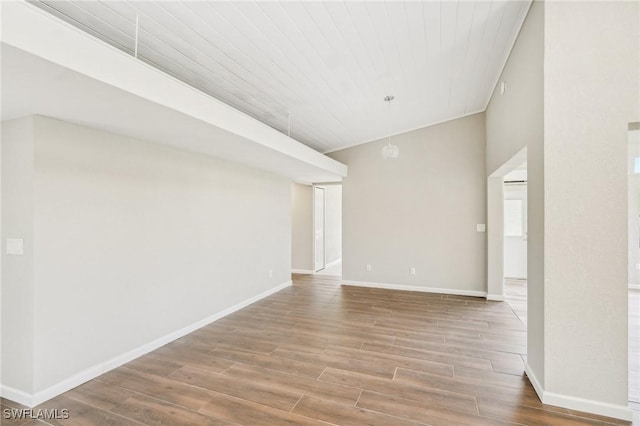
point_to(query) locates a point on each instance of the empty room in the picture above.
(320, 212)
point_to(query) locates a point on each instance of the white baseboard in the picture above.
(534, 380)
(16, 395)
(622, 412)
(387, 286)
(496, 297)
(95, 371)
(311, 271)
(516, 279)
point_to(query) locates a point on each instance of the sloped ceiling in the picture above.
(320, 70)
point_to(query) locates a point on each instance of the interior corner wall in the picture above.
(592, 78)
(301, 227)
(420, 210)
(17, 270)
(134, 241)
(515, 120)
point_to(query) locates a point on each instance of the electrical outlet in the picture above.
(413, 270)
(368, 268)
(270, 273)
(15, 246)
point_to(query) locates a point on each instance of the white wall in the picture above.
(132, 241)
(333, 222)
(17, 271)
(515, 120)
(572, 88)
(301, 227)
(592, 77)
(420, 210)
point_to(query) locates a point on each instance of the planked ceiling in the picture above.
(320, 69)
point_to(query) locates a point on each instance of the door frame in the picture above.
(324, 225)
(495, 225)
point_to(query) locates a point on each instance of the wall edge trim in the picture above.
(450, 291)
(622, 412)
(496, 297)
(607, 409)
(16, 395)
(534, 380)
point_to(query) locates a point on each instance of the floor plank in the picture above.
(419, 411)
(245, 412)
(159, 387)
(293, 383)
(340, 414)
(153, 411)
(422, 392)
(245, 389)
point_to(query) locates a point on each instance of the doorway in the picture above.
(327, 229)
(515, 240)
(515, 169)
(318, 228)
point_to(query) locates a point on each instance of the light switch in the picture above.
(15, 246)
(481, 227)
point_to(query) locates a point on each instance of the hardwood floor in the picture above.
(515, 291)
(318, 353)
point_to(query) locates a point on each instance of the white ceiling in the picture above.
(327, 65)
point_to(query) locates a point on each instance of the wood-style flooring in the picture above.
(319, 353)
(515, 291)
